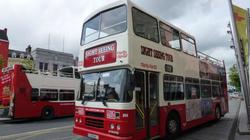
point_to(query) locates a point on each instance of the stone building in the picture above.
(21, 57)
(49, 60)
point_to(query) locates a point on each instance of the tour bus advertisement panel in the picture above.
(6, 75)
(102, 54)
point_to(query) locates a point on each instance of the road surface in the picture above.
(61, 129)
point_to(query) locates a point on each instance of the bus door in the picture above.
(147, 102)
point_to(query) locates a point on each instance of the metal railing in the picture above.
(209, 59)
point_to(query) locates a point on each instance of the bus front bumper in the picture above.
(100, 135)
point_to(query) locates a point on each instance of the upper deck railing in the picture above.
(58, 73)
(209, 59)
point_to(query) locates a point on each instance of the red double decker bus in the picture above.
(4, 49)
(32, 94)
(143, 78)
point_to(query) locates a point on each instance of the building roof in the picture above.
(3, 35)
(19, 53)
(52, 51)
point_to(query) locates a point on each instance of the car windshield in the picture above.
(104, 24)
(111, 86)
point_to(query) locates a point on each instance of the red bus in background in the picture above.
(4, 49)
(31, 94)
(6, 76)
(143, 78)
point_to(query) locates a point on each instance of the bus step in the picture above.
(4, 119)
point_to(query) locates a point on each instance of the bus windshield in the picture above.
(111, 86)
(104, 24)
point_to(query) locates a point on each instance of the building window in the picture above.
(46, 66)
(145, 25)
(173, 88)
(169, 36)
(13, 55)
(55, 67)
(66, 95)
(22, 56)
(29, 57)
(41, 66)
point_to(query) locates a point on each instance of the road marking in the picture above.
(37, 132)
(65, 138)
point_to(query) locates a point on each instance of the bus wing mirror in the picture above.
(132, 82)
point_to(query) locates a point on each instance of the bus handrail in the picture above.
(48, 73)
(209, 59)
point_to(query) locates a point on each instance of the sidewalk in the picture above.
(243, 131)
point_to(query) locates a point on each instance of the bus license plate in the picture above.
(93, 136)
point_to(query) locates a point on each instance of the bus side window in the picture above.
(169, 36)
(192, 88)
(206, 89)
(48, 94)
(173, 88)
(192, 91)
(188, 45)
(34, 94)
(215, 91)
(66, 95)
(145, 25)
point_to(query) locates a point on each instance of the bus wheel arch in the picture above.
(47, 113)
(217, 112)
(173, 124)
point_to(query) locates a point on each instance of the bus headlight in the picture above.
(112, 126)
(118, 127)
(76, 120)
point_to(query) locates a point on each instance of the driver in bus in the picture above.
(111, 94)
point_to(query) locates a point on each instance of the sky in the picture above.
(35, 21)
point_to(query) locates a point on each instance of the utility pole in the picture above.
(248, 28)
(242, 72)
(233, 47)
(49, 41)
(63, 44)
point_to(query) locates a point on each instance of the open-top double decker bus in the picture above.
(143, 78)
(31, 94)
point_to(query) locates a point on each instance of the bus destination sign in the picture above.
(103, 54)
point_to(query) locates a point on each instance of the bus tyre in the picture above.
(217, 113)
(47, 113)
(173, 126)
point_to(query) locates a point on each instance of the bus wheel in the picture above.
(217, 113)
(47, 113)
(173, 126)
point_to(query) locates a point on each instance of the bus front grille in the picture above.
(95, 114)
(94, 123)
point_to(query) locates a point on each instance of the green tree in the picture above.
(234, 77)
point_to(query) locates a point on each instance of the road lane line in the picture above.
(35, 132)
